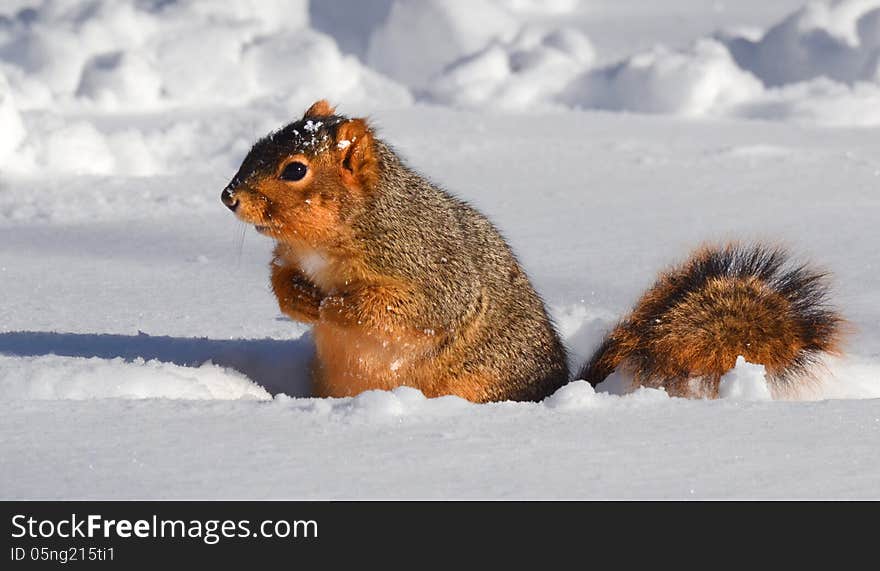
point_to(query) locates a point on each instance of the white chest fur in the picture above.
(314, 264)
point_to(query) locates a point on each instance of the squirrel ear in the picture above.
(357, 157)
(319, 109)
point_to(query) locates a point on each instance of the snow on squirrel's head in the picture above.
(300, 183)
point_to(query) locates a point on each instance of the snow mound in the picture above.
(399, 402)
(378, 406)
(13, 132)
(320, 71)
(851, 377)
(819, 65)
(128, 55)
(147, 87)
(351, 24)
(439, 32)
(556, 67)
(580, 395)
(700, 81)
(839, 40)
(818, 102)
(120, 79)
(74, 68)
(540, 6)
(746, 381)
(53, 377)
(529, 70)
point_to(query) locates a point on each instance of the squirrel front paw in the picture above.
(298, 298)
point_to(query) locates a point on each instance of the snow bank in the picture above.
(128, 55)
(819, 102)
(839, 40)
(849, 377)
(540, 6)
(132, 54)
(420, 37)
(118, 79)
(351, 24)
(74, 67)
(12, 133)
(528, 70)
(818, 65)
(149, 88)
(699, 81)
(53, 377)
(556, 68)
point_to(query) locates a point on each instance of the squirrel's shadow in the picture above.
(279, 366)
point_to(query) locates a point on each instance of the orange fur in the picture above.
(320, 109)
(354, 146)
(352, 359)
(688, 329)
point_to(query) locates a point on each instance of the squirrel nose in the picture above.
(229, 199)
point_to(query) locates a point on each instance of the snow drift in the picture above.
(53, 378)
(71, 65)
(839, 40)
(819, 65)
(145, 86)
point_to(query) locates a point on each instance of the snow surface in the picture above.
(143, 355)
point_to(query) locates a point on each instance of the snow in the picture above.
(439, 32)
(703, 79)
(394, 445)
(61, 378)
(818, 65)
(746, 381)
(839, 40)
(526, 71)
(142, 353)
(13, 128)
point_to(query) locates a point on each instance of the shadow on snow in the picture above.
(279, 366)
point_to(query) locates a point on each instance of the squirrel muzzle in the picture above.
(227, 197)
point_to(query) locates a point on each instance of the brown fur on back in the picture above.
(688, 329)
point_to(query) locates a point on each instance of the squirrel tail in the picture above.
(687, 330)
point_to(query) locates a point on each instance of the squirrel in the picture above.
(406, 284)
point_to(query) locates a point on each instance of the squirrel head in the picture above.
(304, 182)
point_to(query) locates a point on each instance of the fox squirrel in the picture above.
(408, 285)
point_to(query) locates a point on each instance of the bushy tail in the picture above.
(687, 330)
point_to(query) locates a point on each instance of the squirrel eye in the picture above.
(294, 171)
